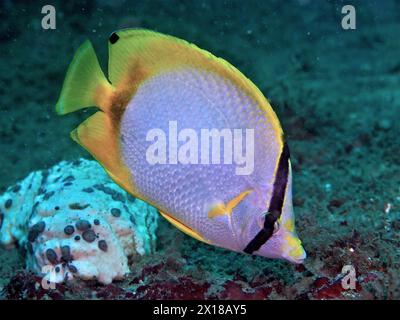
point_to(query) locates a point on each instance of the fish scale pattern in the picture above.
(197, 100)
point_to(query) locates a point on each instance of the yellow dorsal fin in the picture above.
(98, 136)
(137, 54)
(123, 47)
(222, 209)
(184, 228)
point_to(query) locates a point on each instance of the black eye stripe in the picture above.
(276, 203)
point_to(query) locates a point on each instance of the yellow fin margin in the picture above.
(184, 228)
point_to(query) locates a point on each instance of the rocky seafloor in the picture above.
(336, 94)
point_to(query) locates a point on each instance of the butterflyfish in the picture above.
(188, 133)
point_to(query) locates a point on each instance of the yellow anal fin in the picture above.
(98, 136)
(221, 209)
(184, 228)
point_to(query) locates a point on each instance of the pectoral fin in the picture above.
(221, 209)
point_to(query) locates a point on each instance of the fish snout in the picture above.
(292, 249)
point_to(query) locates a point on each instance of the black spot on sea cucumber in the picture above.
(51, 256)
(16, 188)
(68, 230)
(33, 209)
(103, 245)
(47, 195)
(8, 204)
(131, 198)
(67, 184)
(88, 190)
(115, 195)
(78, 206)
(56, 208)
(68, 179)
(57, 269)
(77, 238)
(118, 197)
(116, 212)
(66, 254)
(89, 235)
(45, 175)
(40, 226)
(113, 38)
(72, 268)
(36, 230)
(132, 219)
(83, 225)
(96, 222)
(1, 219)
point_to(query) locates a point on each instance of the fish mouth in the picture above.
(292, 249)
(299, 259)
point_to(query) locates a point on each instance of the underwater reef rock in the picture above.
(74, 222)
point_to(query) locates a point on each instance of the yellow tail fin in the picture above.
(85, 84)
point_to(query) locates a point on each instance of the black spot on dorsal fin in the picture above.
(113, 38)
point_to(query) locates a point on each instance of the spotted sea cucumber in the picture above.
(72, 221)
